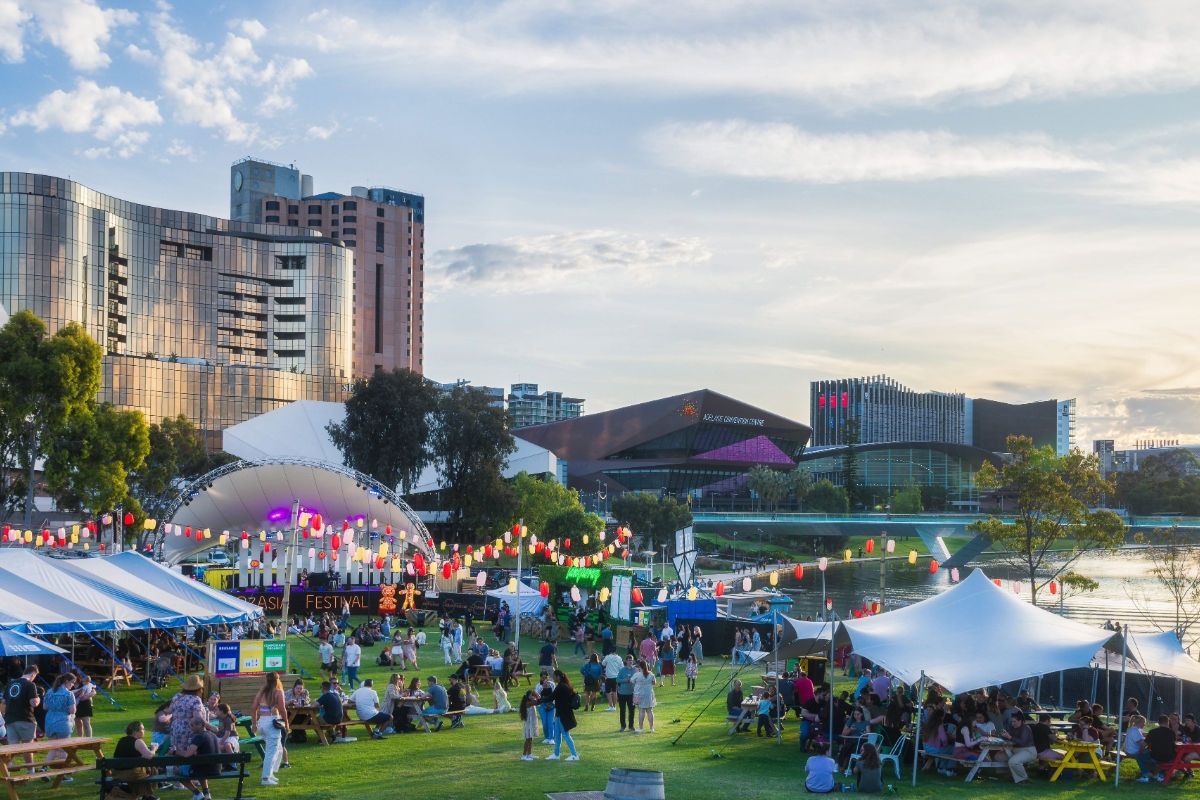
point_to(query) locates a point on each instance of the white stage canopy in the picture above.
(532, 601)
(1162, 654)
(975, 634)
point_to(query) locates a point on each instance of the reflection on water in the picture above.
(1128, 593)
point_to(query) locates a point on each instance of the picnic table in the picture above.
(1079, 755)
(994, 746)
(14, 772)
(1182, 750)
(107, 672)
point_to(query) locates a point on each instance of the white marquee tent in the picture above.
(532, 601)
(1162, 654)
(975, 634)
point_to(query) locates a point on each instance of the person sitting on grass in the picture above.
(819, 770)
(500, 702)
(869, 770)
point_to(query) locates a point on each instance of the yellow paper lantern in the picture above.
(604, 594)
(149, 524)
(585, 538)
(28, 536)
(498, 545)
(512, 585)
(774, 580)
(847, 556)
(395, 564)
(86, 546)
(693, 593)
(207, 533)
(262, 536)
(359, 522)
(468, 560)
(383, 549)
(74, 538)
(912, 556)
(612, 548)
(524, 531)
(532, 549)
(75, 531)
(443, 547)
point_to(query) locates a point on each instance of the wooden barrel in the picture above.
(634, 784)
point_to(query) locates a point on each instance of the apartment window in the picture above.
(293, 209)
(379, 307)
(314, 209)
(349, 231)
(349, 218)
(350, 205)
(378, 237)
(272, 205)
(293, 222)
(351, 243)
(272, 218)
(314, 223)
(379, 212)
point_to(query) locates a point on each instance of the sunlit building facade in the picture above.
(216, 320)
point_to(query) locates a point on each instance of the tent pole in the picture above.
(829, 669)
(917, 728)
(778, 677)
(1120, 730)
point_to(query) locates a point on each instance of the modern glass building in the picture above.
(216, 320)
(690, 444)
(884, 468)
(878, 409)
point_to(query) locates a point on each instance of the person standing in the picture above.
(643, 695)
(456, 631)
(612, 664)
(85, 691)
(268, 713)
(352, 660)
(325, 651)
(60, 713)
(20, 712)
(564, 716)
(529, 723)
(546, 706)
(625, 691)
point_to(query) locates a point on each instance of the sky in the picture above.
(627, 201)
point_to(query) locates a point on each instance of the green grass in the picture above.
(482, 760)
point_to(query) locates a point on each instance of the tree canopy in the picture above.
(89, 470)
(652, 517)
(1165, 483)
(825, 498)
(47, 385)
(1054, 521)
(538, 500)
(387, 427)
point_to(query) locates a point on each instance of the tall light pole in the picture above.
(289, 558)
(735, 550)
(823, 565)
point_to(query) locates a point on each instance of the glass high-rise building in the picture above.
(217, 320)
(878, 409)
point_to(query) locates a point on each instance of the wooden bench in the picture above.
(516, 678)
(456, 718)
(306, 718)
(107, 766)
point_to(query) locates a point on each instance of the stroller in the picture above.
(160, 673)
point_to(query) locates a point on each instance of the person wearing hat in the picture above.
(186, 706)
(1024, 751)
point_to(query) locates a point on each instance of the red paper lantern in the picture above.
(544, 589)
(419, 562)
(870, 545)
(335, 542)
(446, 571)
(539, 547)
(335, 556)
(102, 548)
(720, 588)
(799, 572)
(266, 547)
(387, 529)
(997, 581)
(624, 554)
(128, 518)
(933, 566)
(321, 555)
(470, 550)
(1053, 587)
(245, 534)
(378, 562)
(566, 544)
(487, 551)
(636, 595)
(858, 613)
(317, 523)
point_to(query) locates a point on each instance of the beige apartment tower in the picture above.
(385, 230)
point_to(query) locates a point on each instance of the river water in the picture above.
(1128, 592)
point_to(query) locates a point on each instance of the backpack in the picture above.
(576, 701)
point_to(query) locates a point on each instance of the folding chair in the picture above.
(872, 738)
(895, 754)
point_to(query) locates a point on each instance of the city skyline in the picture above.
(627, 202)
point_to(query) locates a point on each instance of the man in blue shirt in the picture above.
(438, 702)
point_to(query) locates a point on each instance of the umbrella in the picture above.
(18, 644)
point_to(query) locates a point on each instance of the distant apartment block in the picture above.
(527, 406)
(385, 230)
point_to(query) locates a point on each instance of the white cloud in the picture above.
(79, 28)
(181, 149)
(252, 28)
(846, 55)
(12, 34)
(570, 261)
(784, 152)
(107, 112)
(322, 132)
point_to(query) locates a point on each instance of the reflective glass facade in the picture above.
(882, 469)
(198, 315)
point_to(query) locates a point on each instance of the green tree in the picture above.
(387, 428)
(934, 498)
(470, 443)
(652, 518)
(177, 456)
(799, 483)
(573, 523)
(907, 500)
(89, 470)
(1165, 483)
(825, 498)
(538, 500)
(850, 477)
(1054, 524)
(45, 384)
(770, 485)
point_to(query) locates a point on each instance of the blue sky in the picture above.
(631, 200)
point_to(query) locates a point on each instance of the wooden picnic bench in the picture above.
(14, 772)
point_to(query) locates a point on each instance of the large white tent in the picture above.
(531, 601)
(975, 634)
(1162, 654)
(41, 595)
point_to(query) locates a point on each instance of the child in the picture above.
(764, 715)
(83, 706)
(500, 704)
(691, 669)
(227, 736)
(529, 723)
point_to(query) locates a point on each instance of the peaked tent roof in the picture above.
(803, 638)
(130, 574)
(37, 595)
(1162, 653)
(13, 643)
(1008, 639)
(532, 601)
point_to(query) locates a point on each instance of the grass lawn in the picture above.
(482, 761)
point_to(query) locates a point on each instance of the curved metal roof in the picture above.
(258, 495)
